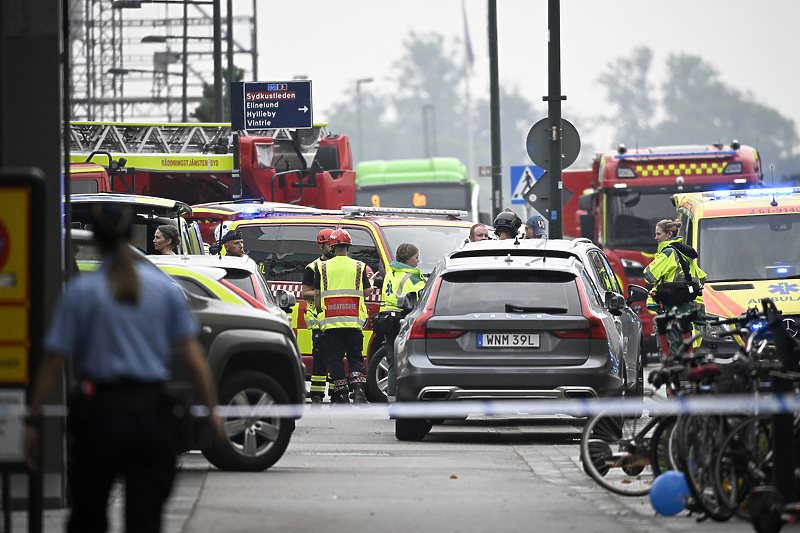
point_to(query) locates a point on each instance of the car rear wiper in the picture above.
(514, 308)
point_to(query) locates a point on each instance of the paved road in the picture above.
(350, 474)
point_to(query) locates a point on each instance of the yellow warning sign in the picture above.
(15, 249)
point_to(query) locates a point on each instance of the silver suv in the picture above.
(519, 320)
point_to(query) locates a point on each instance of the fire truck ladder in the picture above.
(121, 138)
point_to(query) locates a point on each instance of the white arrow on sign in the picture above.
(304, 109)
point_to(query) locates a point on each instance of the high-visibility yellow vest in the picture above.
(666, 267)
(341, 293)
(313, 315)
(396, 283)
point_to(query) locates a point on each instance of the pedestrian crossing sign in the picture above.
(522, 179)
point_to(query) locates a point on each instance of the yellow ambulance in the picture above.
(748, 243)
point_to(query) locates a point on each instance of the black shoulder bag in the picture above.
(672, 293)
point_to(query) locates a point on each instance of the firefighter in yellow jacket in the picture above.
(666, 267)
(402, 278)
(319, 367)
(340, 287)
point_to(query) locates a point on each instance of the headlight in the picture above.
(714, 333)
(626, 172)
(733, 168)
(632, 268)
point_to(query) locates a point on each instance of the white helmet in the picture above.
(218, 235)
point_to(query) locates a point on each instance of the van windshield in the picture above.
(434, 241)
(750, 248)
(632, 216)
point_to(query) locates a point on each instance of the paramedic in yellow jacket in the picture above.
(402, 278)
(340, 287)
(666, 267)
(319, 366)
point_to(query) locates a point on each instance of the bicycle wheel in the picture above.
(699, 437)
(660, 457)
(744, 461)
(615, 452)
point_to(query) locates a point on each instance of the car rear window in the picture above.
(491, 291)
(242, 280)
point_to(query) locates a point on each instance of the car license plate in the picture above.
(508, 340)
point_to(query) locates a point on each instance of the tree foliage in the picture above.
(204, 112)
(695, 107)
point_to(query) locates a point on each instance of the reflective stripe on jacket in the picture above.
(400, 279)
(341, 293)
(313, 316)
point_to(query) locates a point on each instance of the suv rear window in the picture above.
(489, 291)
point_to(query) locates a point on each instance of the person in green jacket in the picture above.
(666, 267)
(403, 277)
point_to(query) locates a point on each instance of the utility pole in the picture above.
(217, 61)
(555, 224)
(185, 82)
(494, 112)
(231, 67)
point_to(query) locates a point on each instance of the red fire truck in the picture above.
(194, 163)
(619, 201)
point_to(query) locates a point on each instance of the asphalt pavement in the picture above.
(349, 474)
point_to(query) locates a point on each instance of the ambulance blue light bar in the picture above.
(752, 193)
(354, 210)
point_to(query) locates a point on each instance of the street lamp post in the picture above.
(184, 82)
(218, 61)
(358, 104)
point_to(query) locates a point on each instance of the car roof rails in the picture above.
(352, 211)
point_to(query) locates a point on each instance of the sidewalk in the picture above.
(192, 469)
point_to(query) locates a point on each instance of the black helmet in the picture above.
(507, 221)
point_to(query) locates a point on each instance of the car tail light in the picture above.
(244, 296)
(444, 333)
(571, 333)
(596, 328)
(420, 330)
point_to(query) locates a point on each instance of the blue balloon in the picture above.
(668, 492)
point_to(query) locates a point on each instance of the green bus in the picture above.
(435, 183)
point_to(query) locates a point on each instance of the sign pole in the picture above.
(494, 112)
(555, 225)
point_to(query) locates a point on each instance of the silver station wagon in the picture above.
(519, 320)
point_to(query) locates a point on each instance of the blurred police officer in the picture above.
(319, 367)
(535, 227)
(506, 225)
(118, 325)
(340, 287)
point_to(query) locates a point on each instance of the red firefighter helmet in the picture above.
(324, 236)
(340, 236)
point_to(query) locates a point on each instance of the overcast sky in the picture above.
(753, 45)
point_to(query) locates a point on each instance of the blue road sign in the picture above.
(265, 105)
(522, 179)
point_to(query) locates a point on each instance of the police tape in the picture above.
(654, 405)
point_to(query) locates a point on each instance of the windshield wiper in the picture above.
(514, 308)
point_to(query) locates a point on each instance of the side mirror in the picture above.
(615, 303)
(585, 202)
(285, 300)
(636, 293)
(586, 221)
(407, 301)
